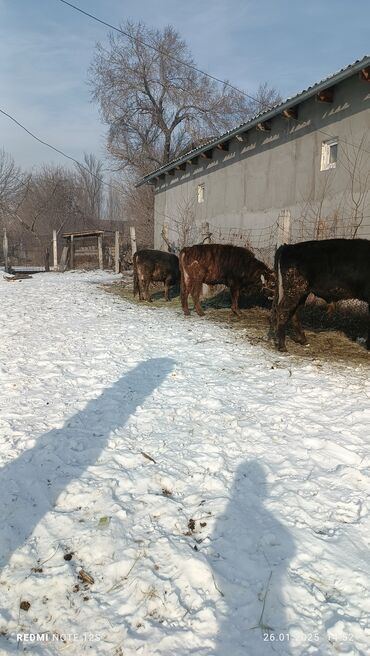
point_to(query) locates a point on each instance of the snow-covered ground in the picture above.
(216, 492)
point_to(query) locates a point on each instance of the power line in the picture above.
(148, 45)
(162, 52)
(57, 150)
(41, 140)
(107, 184)
(191, 66)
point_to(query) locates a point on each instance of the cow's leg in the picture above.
(194, 284)
(298, 332)
(285, 311)
(146, 290)
(283, 314)
(368, 333)
(167, 284)
(293, 291)
(195, 292)
(184, 286)
(184, 295)
(141, 288)
(138, 281)
(235, 291)
(272, 323)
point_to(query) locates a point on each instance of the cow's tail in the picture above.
(182, 263)
(136, 277)
(278, 295)
(279, 277)
(184, 278)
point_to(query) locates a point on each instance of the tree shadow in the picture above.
(31, 484)
(252, 550)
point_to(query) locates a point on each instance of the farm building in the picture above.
(300, 170)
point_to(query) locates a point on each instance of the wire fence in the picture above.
(30, 250)
(36, 251)
(263, 241)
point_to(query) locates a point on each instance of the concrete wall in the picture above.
(246, 188)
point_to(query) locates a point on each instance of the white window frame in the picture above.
(200, 193)
(326, 147)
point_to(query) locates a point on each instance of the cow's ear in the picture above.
(263, 279)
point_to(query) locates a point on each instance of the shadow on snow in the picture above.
(251, 552)
(62, 455)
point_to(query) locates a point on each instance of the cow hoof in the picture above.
(300, 340)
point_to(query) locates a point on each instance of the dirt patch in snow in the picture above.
(335, 335)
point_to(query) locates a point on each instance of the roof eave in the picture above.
(291, 102)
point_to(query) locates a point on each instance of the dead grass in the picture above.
(331, 336)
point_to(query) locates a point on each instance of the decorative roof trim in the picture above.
(265, 116)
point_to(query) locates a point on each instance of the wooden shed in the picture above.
(90, 248)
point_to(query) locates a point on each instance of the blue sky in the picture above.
(46, 48)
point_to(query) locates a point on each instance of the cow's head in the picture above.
(268, 283)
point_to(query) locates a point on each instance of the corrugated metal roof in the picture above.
(266, 115)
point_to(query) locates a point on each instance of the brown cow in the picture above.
(221, 264)
(155, 266)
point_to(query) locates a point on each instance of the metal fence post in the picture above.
(133, 240)
(55, 251)
(5, 251)
(116, 252)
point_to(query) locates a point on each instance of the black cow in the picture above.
(334, 269)
(155, 266)
(221, 264)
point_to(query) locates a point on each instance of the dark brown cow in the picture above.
(155, 266)
(221, 264)
(334, 269)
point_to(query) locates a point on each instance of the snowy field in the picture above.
(216, 493)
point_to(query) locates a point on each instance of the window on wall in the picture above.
(201, 193)
(329, 154)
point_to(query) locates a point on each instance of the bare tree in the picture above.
(49, 200)
(114, 201)
(52, 198)
(12, 182)
(185, 226)
(138, 207)
(154, 103)
(89, 184)
(314, 221)
(14, 187)
(355, 160)
(321, 216)
(263, 99)
(157, 105)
